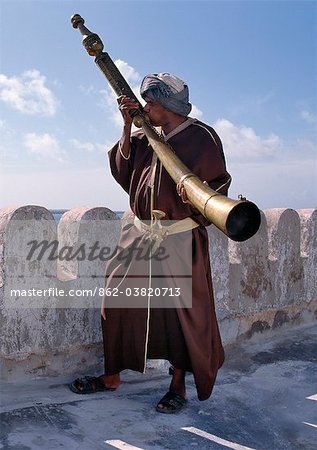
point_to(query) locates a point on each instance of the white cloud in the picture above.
(108, 96)
(108, 102)
(28, 94)
(285, 169)
(130, 74)
(87, 90)
(90, 147)
(104, 148)
(64, 189)
(196, 112)
(87, 146)
(308, 117)
(285, 181)
(284, 185)
(305, 146)
(242, 142)
(268, 185)
(44, 145)
(6, 156)
(5, 128)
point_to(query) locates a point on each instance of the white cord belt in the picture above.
(159, 232)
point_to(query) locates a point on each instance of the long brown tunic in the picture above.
(188, 337)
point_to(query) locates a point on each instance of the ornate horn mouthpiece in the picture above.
(91, 41)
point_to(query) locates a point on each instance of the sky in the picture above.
(251, 71)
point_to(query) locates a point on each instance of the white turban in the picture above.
(170, 91)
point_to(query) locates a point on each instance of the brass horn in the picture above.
(238, 219)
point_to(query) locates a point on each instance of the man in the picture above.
(188, 337)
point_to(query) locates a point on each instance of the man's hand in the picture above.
(181, 191)
(126, 106)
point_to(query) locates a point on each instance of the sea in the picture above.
(57, 213)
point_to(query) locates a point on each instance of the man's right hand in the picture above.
(126, 106)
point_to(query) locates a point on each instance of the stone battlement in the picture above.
(260, 285)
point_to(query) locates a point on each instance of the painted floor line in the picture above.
(310, 424)
(312, 397)
(216, 439)
(122, 445)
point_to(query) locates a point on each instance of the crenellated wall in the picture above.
(269, 280)
(261, 284)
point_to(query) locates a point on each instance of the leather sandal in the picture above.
(88, 385)
(171, 403)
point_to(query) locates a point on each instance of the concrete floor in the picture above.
(259, 402)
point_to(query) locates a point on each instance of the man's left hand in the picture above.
(181, 191)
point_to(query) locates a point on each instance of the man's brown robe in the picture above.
(188, 337)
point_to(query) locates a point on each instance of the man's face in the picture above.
(157, 114)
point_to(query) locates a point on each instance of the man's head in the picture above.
(165, 92)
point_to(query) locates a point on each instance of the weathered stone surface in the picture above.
(35, 328)
(280, 318)
(90, 229)
(250, 278)
(260, 285)
(258, 327)
(308, 218)
(219, 259)
(284, 253)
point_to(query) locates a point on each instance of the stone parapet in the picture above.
(269, 280)
(260, 285)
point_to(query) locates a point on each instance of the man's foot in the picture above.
(111, 381)
(178, 382)
(89, 385)
(171, 403)
(175, 399)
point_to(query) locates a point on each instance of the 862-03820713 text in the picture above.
(98, 291)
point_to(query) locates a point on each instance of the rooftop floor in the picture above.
(260, 401)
